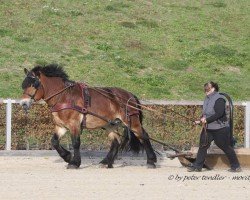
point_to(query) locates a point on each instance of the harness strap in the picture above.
(100, 117)
(64, 106)
(136, 112)
(87, 103)
(60, 91)
(206, 142)
(84, 111)
(71, 105)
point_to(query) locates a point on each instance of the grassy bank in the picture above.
(162, 49)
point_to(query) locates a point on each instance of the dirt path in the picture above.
(46, 177)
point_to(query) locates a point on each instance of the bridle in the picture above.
(37, 84)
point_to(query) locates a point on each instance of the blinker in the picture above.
(36, 84)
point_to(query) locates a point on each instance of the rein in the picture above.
(60, 91)
(204, 128)
(104, 93)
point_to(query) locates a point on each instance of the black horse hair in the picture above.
(51, 70)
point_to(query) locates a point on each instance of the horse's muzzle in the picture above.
(25, 103)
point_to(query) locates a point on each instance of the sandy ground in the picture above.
(43, 175)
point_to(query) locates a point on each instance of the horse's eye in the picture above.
(28, 82)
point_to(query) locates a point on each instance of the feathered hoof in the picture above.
(151, 166)
(110, 166)
(67, 158)
(71, 166)
(101, 165)
(104, 161)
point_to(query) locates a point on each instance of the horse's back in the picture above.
(121, 95)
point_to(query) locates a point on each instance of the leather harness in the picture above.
(71, 105)
(86, 103)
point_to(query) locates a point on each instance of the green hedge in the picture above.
(34, 131)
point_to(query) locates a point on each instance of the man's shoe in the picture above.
(193, 169)
(238, 169)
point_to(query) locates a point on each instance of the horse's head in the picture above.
(32, 89)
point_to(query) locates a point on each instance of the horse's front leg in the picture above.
(75, 162)
(55, 141)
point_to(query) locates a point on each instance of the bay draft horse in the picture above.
(76, 106)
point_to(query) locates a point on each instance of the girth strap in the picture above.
(84, 111)
(64, 106)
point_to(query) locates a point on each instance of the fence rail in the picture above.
(246, 104)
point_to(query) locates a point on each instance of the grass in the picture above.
(162, 49)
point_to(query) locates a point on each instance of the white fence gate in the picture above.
(9, 103)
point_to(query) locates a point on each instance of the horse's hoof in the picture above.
(151, 166)
(70, 166)
(110, 166)
(104, 161)
(102, 165)
(67, 158)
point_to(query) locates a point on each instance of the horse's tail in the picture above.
(130, 142)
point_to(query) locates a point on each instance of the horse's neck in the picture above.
(51, 85)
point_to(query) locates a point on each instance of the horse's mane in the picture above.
(51, 70)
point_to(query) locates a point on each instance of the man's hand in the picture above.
(197, 122)
(203, 120)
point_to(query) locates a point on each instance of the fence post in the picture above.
(8, 124)
(247, 125)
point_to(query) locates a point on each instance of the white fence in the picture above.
(9, 103)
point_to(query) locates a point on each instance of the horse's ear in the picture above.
(26, 71)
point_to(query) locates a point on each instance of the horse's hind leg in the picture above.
(65, 154)
(109, 159)
(151, 157)
(141, 134)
